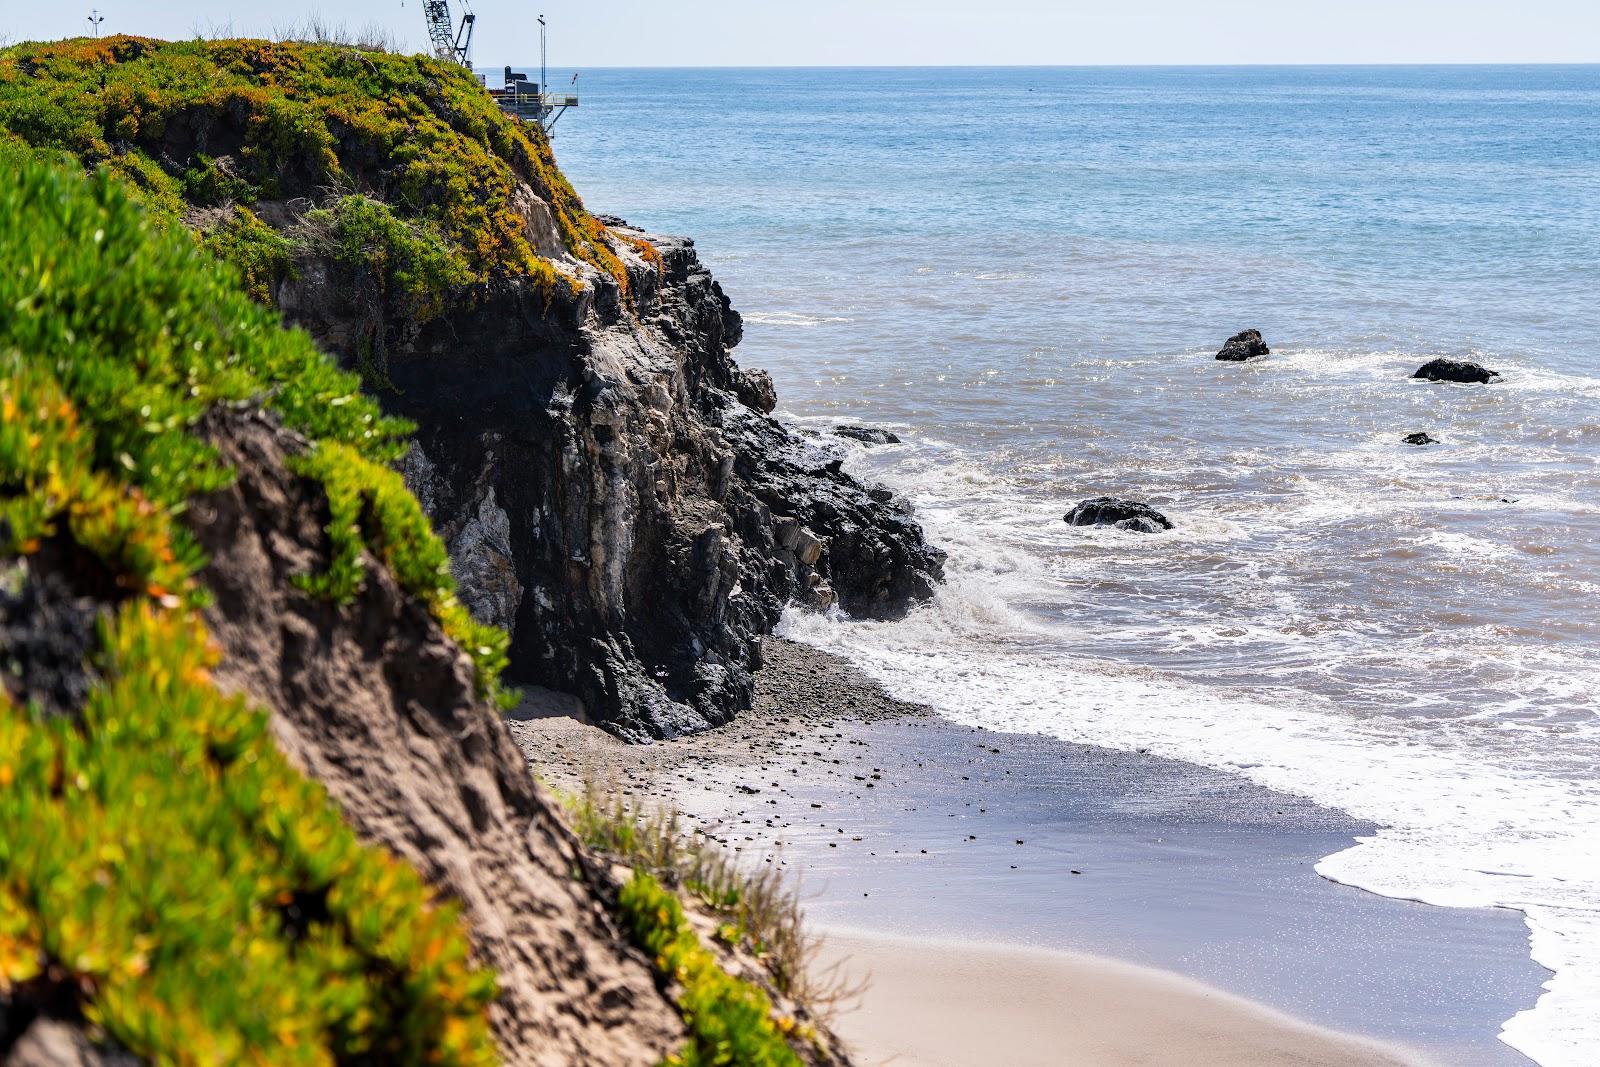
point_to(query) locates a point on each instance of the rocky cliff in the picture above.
(611, 486)
(256, 800)
(615, 493)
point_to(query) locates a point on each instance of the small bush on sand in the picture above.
(758, 909)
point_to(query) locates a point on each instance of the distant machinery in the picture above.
(527, 100)
(450, 43)
(533, 101)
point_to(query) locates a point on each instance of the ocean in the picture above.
(1025, 274)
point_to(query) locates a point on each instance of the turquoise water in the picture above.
(1026, 272)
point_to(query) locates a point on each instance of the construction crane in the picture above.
(450, 43)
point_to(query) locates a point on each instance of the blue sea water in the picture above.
(1026, 272)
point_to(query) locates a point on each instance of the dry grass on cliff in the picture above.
(315, 29)
(758, 910)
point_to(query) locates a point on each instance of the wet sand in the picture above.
(901, 823)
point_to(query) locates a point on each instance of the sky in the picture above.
(598, 33)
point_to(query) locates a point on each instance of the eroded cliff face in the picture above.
(377, 704)
(613, 489)
(258, 797)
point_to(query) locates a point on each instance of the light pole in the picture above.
(95, 19)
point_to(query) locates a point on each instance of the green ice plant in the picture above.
(730, 1020)
(163, 868)
(412, 158)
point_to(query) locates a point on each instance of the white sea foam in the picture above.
(790, 318)
(1472, 814)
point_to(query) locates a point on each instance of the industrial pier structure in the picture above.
(520, 97)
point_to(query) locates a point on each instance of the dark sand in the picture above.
(900, 822)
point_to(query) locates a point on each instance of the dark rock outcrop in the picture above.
(754, 389)
(1419, 439)
(1451, 370)
(867, 435)
(47, 632)
(613, 491)
(1244, 346)
(1119, 512)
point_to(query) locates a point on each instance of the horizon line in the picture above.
(1078, 66)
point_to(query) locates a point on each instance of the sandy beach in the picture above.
(963, 867)
(952, 1004)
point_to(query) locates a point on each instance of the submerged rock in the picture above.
(867, 435)
(1120, 513)
(1244, 346)
(1451, 370)
(1419, 439)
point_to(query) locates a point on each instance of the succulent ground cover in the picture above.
(409, 171)
(167, 878)
(164, 872)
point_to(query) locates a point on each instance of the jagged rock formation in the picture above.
(1133, 516)
(611, 496)
(1459, 371)
(1244, 346)
(867, 435)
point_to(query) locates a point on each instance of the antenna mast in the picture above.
(95, 19)
(544, 64)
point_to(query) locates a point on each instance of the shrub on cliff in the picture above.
(164, 872)
(200, 125)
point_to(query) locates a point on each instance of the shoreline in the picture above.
(901, 823)
(950, 1003)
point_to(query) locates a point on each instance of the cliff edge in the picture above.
(610, 484)
(256, 800)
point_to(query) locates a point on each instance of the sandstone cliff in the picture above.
(256, 800)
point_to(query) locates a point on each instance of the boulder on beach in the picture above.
(1419, 439)
(867, 435)
(1452, 370)
(1120, 513)
(1244, 346)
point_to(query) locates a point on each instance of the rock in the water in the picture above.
(1451, 370)
(867, 435)
(1118, 512)
(1419, 439)
(1243, 346)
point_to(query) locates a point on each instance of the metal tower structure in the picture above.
(533, 101)
(450, 43)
